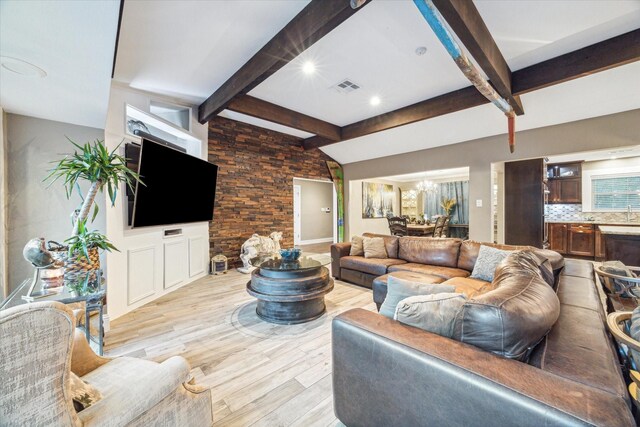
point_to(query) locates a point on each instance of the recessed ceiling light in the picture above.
(18, 66)
(421, 50)
(375, 100)
(613, 157)
(309, 67)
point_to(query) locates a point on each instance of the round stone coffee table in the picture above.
(290, 292)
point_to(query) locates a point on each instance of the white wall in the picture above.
(316, 225)
(358, 225)
(612, 131)
(148, 264)
(37, 208)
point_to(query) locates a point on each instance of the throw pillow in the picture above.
(634, 332)
(357, 248)
(82, 393)
(619, 269)
(374, 247)
(488, 260)
(399, 289)
(434, 313)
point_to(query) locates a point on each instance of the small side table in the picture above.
(91, 292)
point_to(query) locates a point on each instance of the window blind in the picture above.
(615, 193)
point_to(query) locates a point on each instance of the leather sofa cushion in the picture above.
(432, 270)
(470, 287)
(578, 268)
(390, 243)
(511, 319)
(427, 250)
(434, 313)
(369, 265)
(579, 349)
(380, 283)
(557, 261)
(579, 292)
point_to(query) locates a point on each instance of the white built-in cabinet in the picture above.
(141, 267)
(197, 263)
(175, 262)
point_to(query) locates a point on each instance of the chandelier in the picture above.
(427, 186)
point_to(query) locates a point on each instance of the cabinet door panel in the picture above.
(558, 237)
(554, 191)
(571, 191)
(581, 241)
(176, 261)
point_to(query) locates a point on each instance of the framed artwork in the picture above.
(377, 200)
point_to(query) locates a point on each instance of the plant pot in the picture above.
(78, 266)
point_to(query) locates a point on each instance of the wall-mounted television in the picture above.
(178, 188)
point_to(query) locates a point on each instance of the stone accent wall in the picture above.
(255, 183)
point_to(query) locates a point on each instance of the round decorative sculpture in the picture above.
(37, 254)
(257, 245)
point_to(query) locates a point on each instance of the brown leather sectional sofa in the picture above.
(389, 374)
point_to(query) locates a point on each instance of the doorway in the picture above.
(314, 212)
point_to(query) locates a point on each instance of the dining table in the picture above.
(420, 229)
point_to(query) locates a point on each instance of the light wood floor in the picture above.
(318, 248)
(261, 374)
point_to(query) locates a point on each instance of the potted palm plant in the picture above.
(102, 169)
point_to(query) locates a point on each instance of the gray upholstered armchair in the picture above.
(40, 347)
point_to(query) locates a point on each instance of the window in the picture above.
(615, 192)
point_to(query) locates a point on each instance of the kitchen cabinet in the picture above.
(599, 245)
(558, 237)
(578, 239)
(565, 183)
(581, 240)
(564, 170)
(568, 191)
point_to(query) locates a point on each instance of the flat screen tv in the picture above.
(178, 188)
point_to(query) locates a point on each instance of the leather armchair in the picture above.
(39, 347)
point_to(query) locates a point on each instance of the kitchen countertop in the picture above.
(630, 224)
(620, 230)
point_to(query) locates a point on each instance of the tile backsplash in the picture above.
(559, 212)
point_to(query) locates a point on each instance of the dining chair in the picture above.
(398, 226)
(439, 226)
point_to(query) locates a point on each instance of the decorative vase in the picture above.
(77, 265)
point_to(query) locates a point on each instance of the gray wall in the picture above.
(4, 283)
(315, 195)
(616, 130)
(33, 209)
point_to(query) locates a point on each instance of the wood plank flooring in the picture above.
(318, 248)
(260, 374)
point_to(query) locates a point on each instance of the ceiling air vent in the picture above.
(346, 86)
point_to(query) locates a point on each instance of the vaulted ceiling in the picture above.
(190, 49)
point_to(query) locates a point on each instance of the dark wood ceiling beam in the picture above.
(465, 21)
(274, 113)
(614, 52)
(315, 21)
(440, 105)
